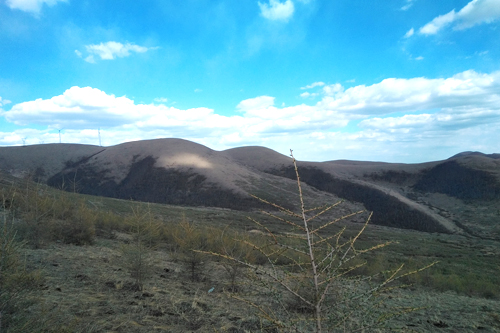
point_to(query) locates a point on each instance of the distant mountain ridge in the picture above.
(425, 196)
(475, 153)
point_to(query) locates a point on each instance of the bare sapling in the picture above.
(310, 280)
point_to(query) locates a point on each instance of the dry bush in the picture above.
(18, 286)
(189, 240)
(42, 217)
(107, 222)
(229, 243)
(79, 228)
(308, 282)
(146, 235)
(75, 226)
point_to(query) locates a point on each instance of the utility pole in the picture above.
(60, 136)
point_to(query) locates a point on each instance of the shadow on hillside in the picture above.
(145, 182)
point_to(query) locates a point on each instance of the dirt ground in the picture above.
(89, 287)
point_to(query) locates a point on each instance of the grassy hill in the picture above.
(98, 264)
(459, 195)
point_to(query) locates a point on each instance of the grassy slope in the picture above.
(88, 288)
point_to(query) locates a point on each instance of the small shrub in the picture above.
(17, 284)
(229, 243)
(189, 240)
(42, 217)
(107, 222)
(146, 233)
(79, 229)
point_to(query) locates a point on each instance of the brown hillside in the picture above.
(439, 196)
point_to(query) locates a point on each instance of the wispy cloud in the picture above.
(276, 10)
(111, 50)
(408, 4)
(474, 13)
(438, 23)
(440, 123)
(160, 100)
(31, 6)
(409, 33)
(313, 85)
(4, 102)
(309, 95)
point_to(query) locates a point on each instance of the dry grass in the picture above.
(92, 288)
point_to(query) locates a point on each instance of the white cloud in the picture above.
(308, 95)
(276, 10)
(4, 102)
(478, 12)
(397, 117)
(90, 59)
(315, 84)
(466, 89)
(333, 89)
(409, 33)
(111, 50)
(438, 23)
(76, 108)
(408, 5)
(31, 6)
(198, 90)
(257, 103)
(419, 58)
(160, 100)
(474, 13)
(448, 127)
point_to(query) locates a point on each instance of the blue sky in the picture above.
(394, 80)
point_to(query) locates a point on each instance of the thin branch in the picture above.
(284, 220)
(264, 227)
(320, 207)
(335, 221)
(361, 231)
(323, 211)
(283, 209)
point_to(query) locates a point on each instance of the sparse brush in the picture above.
(42, 217)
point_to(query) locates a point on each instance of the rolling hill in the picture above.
(457, 195)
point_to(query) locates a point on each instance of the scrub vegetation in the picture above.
(78, 263)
